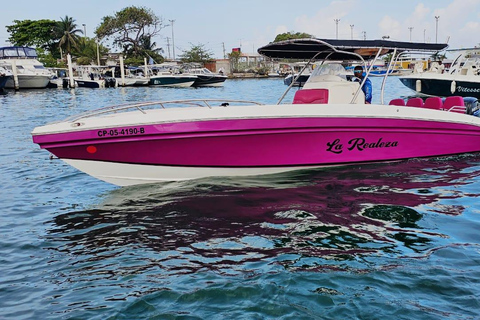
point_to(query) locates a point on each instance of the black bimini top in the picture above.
(309, 48)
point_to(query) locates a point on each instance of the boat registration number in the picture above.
(120, 132)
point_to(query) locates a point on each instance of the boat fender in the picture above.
(418, 86)
(472, 105)
(453, 87)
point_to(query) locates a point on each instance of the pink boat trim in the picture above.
(268, 142)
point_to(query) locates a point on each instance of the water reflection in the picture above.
(297, 220)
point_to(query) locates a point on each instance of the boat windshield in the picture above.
(334, 69)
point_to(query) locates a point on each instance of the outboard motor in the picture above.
(109, 82)
(472, 105)
(65, 83)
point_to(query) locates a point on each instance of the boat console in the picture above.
(330, 83)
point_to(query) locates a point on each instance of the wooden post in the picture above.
(16, 85)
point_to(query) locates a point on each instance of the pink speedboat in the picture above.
(327, 124)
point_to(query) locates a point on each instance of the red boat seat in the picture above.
(311, 96)
(454, 104)
(397, 102)
(433, 103)
(415, 102)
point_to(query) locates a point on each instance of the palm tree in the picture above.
(68, 34)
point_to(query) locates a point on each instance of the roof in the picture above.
(342, 49)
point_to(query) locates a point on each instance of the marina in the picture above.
(398, 239)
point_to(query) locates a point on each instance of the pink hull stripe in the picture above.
(266, 142)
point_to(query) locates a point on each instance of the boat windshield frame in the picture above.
(334, 50)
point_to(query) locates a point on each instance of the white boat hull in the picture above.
(29, 82)
(123, 174)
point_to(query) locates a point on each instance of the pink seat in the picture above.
(397, 102)
(415, 102)
(433, 103)
(454, 104)
(311, 96)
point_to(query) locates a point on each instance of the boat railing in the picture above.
(209, 103)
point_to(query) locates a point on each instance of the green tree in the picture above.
(197, 53)
(86, 51)
(67, 32)
(33, 33)
(129, 28)
(148, 48)
(234, 57)
(290, 35)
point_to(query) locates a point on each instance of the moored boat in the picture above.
(206, 78)
(27, 71)
(5, 75)
(172, 80)
(328, 123)
(94, 77)
(461, 79)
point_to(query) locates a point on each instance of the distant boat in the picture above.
(23, 64)
(300, 77)
(94, 77)
(206, 78)
(461, 79)
(168, 75)
(5, 75)
(172, 80)
(133, 77)
(59, 78)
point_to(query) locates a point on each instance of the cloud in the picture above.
(456, 23)
(281, 29)
(322, 24)
(388, 26)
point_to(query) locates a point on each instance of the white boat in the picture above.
(94, 77)
(27, 71)
(59, 78)
(327, 124)
(169, 75)
(461, 79)
(205, 77)
(299, 74)
(5, 75)
(133, 76)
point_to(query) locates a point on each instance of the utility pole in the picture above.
(436, 28)
(336, 22)
(173, 39)
(411, 28)
(223, 45)
(84, 30)
(98, 53)
(168, 48)
(351, 30)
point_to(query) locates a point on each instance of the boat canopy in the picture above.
(334, 49)
(17, 52)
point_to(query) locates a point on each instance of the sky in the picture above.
(220, 25)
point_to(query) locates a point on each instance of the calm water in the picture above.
(386, 241)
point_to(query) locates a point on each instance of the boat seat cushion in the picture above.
(433, 103)
(454, 104)
(415, 102)
(397, 102)
(311, 96)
